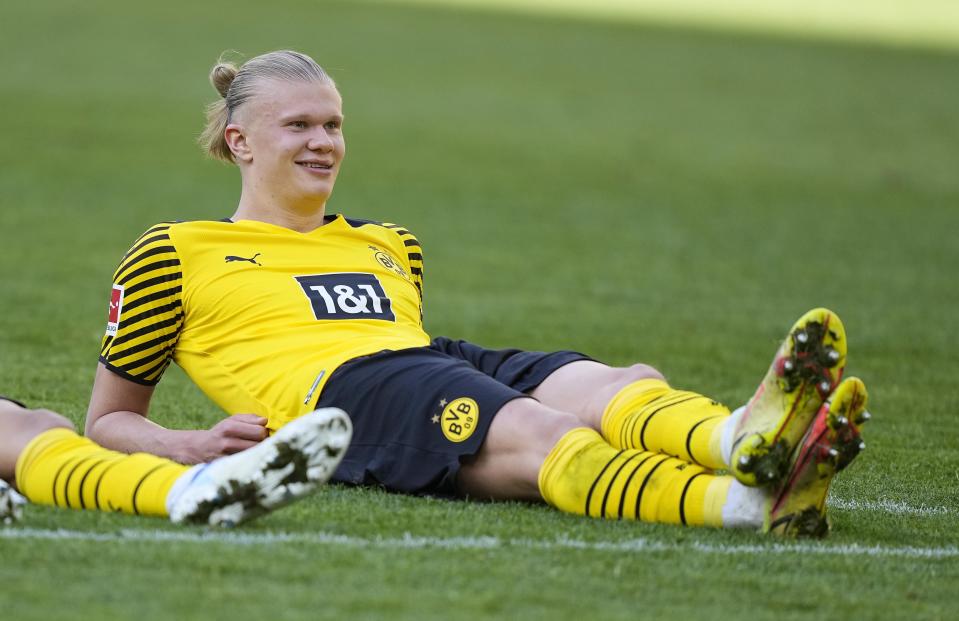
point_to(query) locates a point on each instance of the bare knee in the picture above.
(639, 371)
(15, 419)
(18, 427)
(620, 377)
(43, 420)
(585, 387)
(617, 378)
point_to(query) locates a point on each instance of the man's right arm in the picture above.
(117, 419)
(143, 325)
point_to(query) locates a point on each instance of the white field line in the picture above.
(409, 542)
(888, 506)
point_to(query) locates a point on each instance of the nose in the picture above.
(320, 141)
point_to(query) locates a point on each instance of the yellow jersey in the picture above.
(259, 316)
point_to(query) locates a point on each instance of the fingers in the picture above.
(216, 445)
(245, 431)
(229, 446)
(249, 418)
(242, 427)
(234, 434)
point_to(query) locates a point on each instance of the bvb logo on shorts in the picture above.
(459, 419)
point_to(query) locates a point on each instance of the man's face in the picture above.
(294, 137)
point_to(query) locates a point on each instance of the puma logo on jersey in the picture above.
(231, 258)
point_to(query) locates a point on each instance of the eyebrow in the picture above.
(292, 117)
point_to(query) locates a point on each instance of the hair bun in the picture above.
(222, 77)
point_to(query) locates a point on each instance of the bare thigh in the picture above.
(520, 437)
(585, 387)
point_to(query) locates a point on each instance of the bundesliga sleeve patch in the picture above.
(116, 307)
(347, 296)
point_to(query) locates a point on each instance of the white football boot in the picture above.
(11, 504)
(288, 465)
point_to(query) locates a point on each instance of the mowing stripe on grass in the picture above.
(923, 22)
(409, 542)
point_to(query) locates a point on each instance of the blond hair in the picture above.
(237, 85)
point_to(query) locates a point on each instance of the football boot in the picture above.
(288, 465)
(11, 504)
(806, 369)
(798, 508)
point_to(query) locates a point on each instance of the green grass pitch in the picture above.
(643, 194)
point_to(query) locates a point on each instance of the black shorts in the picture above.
(417, 412)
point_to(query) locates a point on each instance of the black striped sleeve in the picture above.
(413, 253)
(146, 309)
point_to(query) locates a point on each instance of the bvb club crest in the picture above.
(459, 419)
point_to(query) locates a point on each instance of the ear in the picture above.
(236, 140)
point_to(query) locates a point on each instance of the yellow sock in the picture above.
(63, 469)
(585, 475)
(651, 416)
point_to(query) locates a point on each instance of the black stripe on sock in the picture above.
(612, 482)
(630, 427)
(136, 491)
(66, 486)
(642, 432)
(592, 487)
(634, 420)
(689, 437)
(682, 497)
(83, 482)
(56, 478)
(639, 496)
(96, 491)
(622, 501)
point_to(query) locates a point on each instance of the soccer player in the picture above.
(284, 308)
(40, 451)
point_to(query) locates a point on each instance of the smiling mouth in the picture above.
(316, 165)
